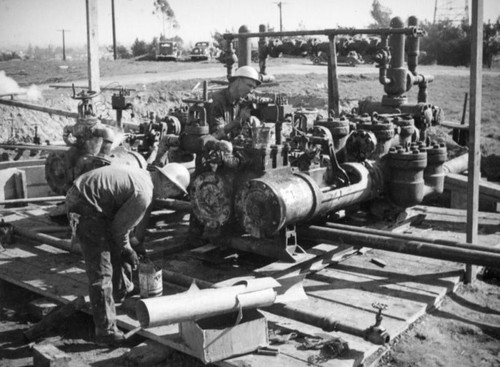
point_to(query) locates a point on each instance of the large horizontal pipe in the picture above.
(407, 237)
(53, 111)
(386, 243)
(457, 164)
(58, 148)
(173, 204)
(410, 31)
(59, 243)
(329, 322)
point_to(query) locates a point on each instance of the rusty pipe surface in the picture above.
(265, 205)
(53, 111)
(465, 245)
(411, 247)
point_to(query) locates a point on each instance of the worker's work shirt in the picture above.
(222, 111)
(122, 194)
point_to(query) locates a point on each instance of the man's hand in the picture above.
(130, 257)
(138, 247)
(225, 146)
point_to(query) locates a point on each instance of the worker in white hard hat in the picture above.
(229, 109)
(104, 205)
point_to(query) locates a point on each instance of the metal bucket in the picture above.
(150, 280)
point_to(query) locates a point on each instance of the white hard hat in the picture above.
(178, 174)
(246, 72)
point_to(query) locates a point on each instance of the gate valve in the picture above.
(377, 333)
(85, 108)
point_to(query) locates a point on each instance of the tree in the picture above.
(381, 15)
(139, 48)
(163, 8)
(446, 43)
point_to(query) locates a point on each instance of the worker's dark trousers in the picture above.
(105, 269)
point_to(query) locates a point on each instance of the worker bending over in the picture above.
(104, 205)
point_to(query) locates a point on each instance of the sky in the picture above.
(40, 22)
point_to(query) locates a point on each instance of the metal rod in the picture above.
(56, 242)
(465, 245)
(410, 31)
(59, 148)
(34, 107)
(386, 243)
(32, 200)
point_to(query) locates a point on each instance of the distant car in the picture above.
(352, 58)
(201, 51)
(168, 51)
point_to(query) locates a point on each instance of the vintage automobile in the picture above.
(201, 51)
(351, 59)
(168, 51)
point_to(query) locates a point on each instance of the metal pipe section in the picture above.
(453, 244)
(328, 322)
(411, 247)
(59, 243)
(457, 165)
(244, 47)
(330, 32)
(34, 107)
(265, 205)
(413, 47)
(396, 71)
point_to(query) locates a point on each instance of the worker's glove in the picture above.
(130, 257)
(225, 146)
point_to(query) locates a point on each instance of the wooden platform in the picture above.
(409, 285)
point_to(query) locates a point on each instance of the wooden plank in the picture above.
(8, 183)
(488, 190)
(474, 173)
(318, 257)
(22, 163)
(437, 214)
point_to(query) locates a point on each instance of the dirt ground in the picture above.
(463, 331)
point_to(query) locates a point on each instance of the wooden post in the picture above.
(474, 173)
(333, 82)
(93, 45)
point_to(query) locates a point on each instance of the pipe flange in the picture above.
(211, 196)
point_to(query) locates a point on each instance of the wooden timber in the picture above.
(339, 282)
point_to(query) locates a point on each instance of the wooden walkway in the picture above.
(409, 285)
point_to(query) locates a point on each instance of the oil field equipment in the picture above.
(297, 167)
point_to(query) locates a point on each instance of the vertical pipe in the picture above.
(262, 50)
(114, 28)
(244, 48)
(413, 43)
(64, 45)
(333, 83)
(474, 128)
(92, 45)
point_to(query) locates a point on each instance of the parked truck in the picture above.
(168, 51)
